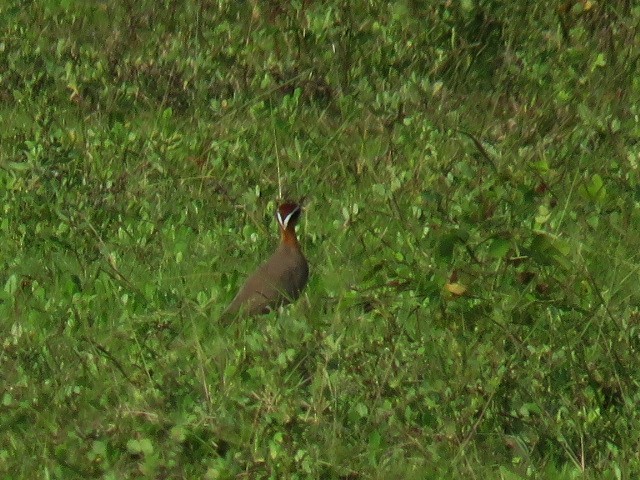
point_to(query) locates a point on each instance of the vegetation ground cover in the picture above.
(472, 226)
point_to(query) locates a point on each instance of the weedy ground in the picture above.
(472, 225)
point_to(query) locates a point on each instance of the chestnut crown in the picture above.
(288, 214)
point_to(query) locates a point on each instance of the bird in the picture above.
(281, 279)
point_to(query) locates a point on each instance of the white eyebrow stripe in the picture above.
(285, 222)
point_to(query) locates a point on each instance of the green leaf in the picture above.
(595, 189)
(499, 247)
(19, 166)
(11, 285)
(548, 250)
(446, 245)
(362, 409)
(543, 215)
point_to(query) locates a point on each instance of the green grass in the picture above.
(476, 147)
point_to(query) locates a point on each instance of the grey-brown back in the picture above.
(278, 281)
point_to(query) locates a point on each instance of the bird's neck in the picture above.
(288, 237)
